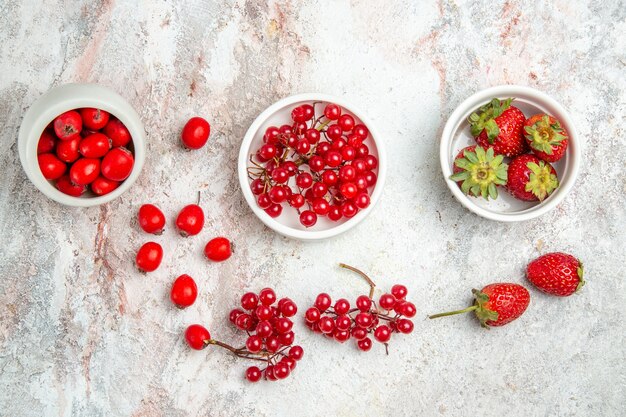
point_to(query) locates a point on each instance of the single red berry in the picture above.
(271, 135)
(244, 322)
(361, 131)
(359, 333)
(319, 189)
(190, 220)
(84, 171)
(151, 219)
(362, 200)
(308, 218)
(102, 186)
(382, 333)
(272, 344)
(304, 180)
(312, 315)
(343, 322)
(267, 296)
(312, 136)
(95, 145)
(289, 362)
(196, 133)
(333, 159)
(363, 303)
(263, 312)
(334, 213)
(149, 256)
(330, 178)
(298, 114)
(332, 111)
(249, 301)
(253, 374)
(278, 194)
(342, 306)
(296, 201)
(184, 291)
(348, 209)
(65, 185)
(299, 128)
(303, 147)
(556, 273)
(51, 167)
(322, 302)
(286, 339)
(232, 317)
(360, 165)
(117, 164)
(346, 122)
(288, 308)
(197, 336)
(47, 142)
(296, 353)
(68, 125)
(117, 132)
(500, 125)
(347, 173)
(405, 308)
(283, 325)
(365, 344)
(364, 320)
(316, 163)
(338, 144)
(334, 132)
(218, 249)
(264, 329)
(371, 161)
(94, 119)
(326, 324)
(67, 150)
(274, 210)
(404, 326)
(341, 336)
(267, 152)
(348, 153)
(281, 370)
(322, 148)
(348, 190)
(387, 301)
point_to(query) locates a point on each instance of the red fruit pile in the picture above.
(85, 148)
(341, 322)
(502, 131)
(319, 166)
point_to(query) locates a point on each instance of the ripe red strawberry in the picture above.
(499, 125)
(479, 172)
(556, 273)
(531, 179)
(545, 136)
(496, 304)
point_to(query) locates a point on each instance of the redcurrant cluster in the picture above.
(341, 322)
(270, 334)
(320, 166)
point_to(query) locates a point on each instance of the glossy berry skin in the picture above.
(500, 125)
(312, 315)
(546, 137)
(404, 326)
(399, 291)
(288, 308)
(556, 273)
(387, 301)
(508, 301)
(296, 352)
(531, 179)
(342, 306)
(363, 303)
(218, 249)
(95, 145)
(190, 220)
(308, 218)
(117, 132)
(253, 374)
(382, 333)
(67, 150)
(94, 119)
(332, 111)
(197, 336)
(68, 125)
(84, 171)
(267, 296)
(184, 291)
(149, 256)
(365, 344)
(322, 302)
(51, 167)
(196, 133)
(117, 164)
(102, 186)
(65, 185)
(151, 219)
(47, 142)
(249, 301)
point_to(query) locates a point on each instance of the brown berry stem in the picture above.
(451, 313)
(241, 352)
(364, 275)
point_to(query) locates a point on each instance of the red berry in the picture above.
(382, 333)
(304, 180)
(296, 201)
(274, 210)
(334, 213)
(67, 150)
(316, 163)
(360, 165)
(244, 321)
(149, 256)
(371, 161)
(195, 133)
(308, 218)
(84, 171)
(272, 344)
(281, 370)
(218, 249)
(286, 339)
(365, 344)
(362, 151)
(288, 308)
(117, 132)
(326, 324)
(51, 167)
(387, 301)
(322, 302)
(95, 145)
(364, 320)
(296, 353)
(46, 143)
(254, 343)
(330, 178)
(312, 136)
(348, 190)
(404, 326)
(249, 301)
(234, 314)
(338, 144)
(68, 125)
(283, 325)
(253, 374)
(267, 152)
(348, 153)
(320, 206)
(264, 329)
(348, 209)
(319, 189)
(312, 315)
(271, 135)
(184, 291)
(334, 132)
(399, 291)
(361, 131)
(151, 219)
(278, 194)
(102, 186)
(332, 111)
(341, 335)
(65, 185)
(94, 119)
(359, 333)
(343, 322)
(342, 306)
(267, 296)
(405, 308)
(190, 220)
(117, 164)
(333, 159)
(371, 178)
(362, 200)
(363, 303)
(263, 312)
(303, 147)
(347, 173)
(322, 148)
(346, 122)
(197, 337)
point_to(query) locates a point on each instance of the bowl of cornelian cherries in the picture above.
(82, 144)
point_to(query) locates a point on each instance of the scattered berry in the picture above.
(556, 273)
(151, 219)
(196, 133)
(190, 220)
(149, 257)
(218, 249)
(184, 291)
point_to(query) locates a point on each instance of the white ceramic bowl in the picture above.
(456, 136)
(288, 223)
(68, 97)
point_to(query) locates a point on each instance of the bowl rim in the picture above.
(481, 97)
(68, 97)
(309, 235)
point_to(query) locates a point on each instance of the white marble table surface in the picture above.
(82, 333)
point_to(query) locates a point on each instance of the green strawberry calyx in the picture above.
(483, 313)
(541, 180)
(481, 172)
(581, 273)
(543, 135)
(484, 118)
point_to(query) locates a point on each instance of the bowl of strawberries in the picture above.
(510, 153)
(311, 166)
(82, 144)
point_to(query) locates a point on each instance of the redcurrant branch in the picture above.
(364, 275)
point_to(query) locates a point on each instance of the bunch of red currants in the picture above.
(319, 166)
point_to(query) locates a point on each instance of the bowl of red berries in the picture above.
(82, 144)
(312, 166)
(510, 153)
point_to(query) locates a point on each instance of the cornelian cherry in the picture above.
(151, 219)
(184, 291)
(102, 186)
(195, 133)
(149, 256)
(51, 167)
(94, 119)
(197, 336)
(190, 220)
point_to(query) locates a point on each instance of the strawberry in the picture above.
(499, 125)
(531, 179)
(479, 172)
(545, 136)
(556, 273)
(496, 304)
